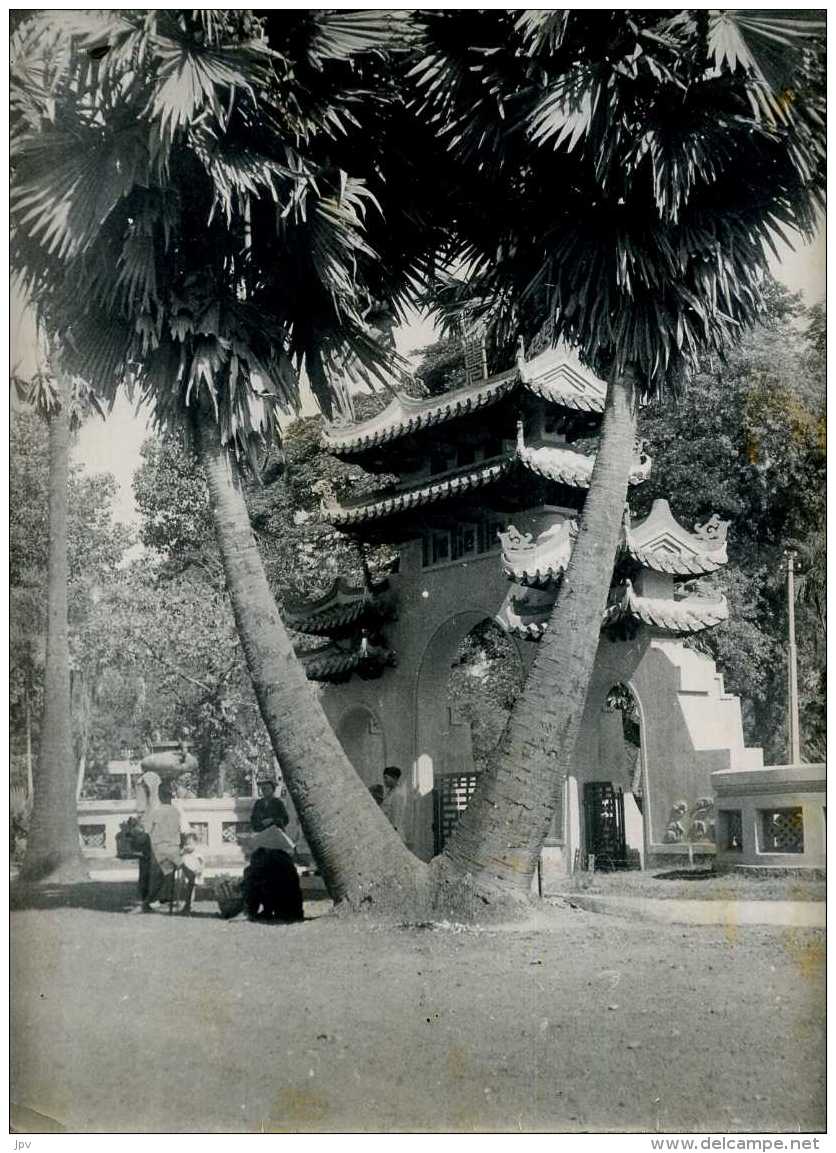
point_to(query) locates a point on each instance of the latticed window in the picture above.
(452, 794)
(92, 836)
(201, 831)
(782, 830)
(231, 830)
(730, 830)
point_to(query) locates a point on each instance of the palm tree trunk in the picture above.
(52, 847)
(499, 839)
(360, 856)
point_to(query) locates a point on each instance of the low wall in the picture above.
(217, 821)
(771, 818)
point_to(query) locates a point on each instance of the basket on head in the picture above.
(230, 898)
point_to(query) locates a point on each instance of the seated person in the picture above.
(270, 883)
(268, 809)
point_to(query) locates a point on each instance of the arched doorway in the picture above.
(469, 677)
(613, 798)
(361, 736)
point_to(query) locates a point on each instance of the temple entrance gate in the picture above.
(492, 479)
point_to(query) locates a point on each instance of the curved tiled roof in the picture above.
(332, 664)
(555, 375)
(568, 466)
(689, 615)
(677, 565)
(525, 612)
(341, 609)
(465, 480)
(406, 414)
(661, 543)
(558, 376)
(557, 463)
(538, 563)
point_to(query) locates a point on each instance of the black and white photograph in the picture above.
(417, 574)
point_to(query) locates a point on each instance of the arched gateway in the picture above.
(492, 480)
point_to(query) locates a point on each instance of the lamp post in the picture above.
(792, 662)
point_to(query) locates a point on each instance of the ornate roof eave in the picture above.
(674, 565)
(570, 467)
(540, 563)
(405, 414)
(341, 609)
(525, 613)
(334, 665)
(402, 500)
(689, 615)
(557, 375)
(661, 543)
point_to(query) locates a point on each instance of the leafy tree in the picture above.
(194, 202)
(623, 173)
(52, 847)
(747, 440)
(95, 547)
(165, 658)
(441, 367)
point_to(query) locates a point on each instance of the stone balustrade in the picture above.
(771, 818)
(216, 820)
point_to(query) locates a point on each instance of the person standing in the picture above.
(163, 827)
(268, 809)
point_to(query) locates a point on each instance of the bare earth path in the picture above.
(585, 1022)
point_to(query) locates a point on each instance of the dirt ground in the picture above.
(578, 1022)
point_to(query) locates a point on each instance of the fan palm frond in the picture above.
(209, 271)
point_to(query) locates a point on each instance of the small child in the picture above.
(193, 862)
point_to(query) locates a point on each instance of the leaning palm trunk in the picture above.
(52, 846)
(359, 854)
(500, 837)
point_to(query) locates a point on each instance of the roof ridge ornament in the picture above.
(713, 531)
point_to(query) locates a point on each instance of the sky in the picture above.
(113, 445)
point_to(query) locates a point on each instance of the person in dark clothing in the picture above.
(271, 887)
(268, 809)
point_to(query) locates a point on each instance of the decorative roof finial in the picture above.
(713, 531)
(520, 436)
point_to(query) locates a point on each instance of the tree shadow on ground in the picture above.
(100, 896)
(108, 897)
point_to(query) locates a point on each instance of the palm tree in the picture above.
(632, 170)
(52, 843)
(187, 218)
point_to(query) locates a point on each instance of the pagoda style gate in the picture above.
(491, 483)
